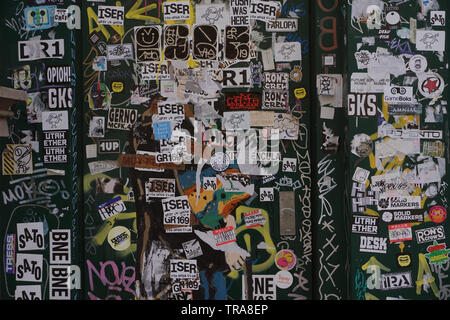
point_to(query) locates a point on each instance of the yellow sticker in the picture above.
(117, 86)
(300, 93)
(119, 238)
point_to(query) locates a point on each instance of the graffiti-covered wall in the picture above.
(197, 176)
(398, 149)
(40, 182)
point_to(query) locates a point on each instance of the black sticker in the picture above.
(237, 43)
(176, 42)
(205, 42)
(148, 43)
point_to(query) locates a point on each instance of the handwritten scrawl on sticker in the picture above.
(176, 42)
(290, 51)
(17, 159)
(430, 40)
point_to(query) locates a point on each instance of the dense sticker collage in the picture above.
(194, 145)
(397, 109)
(224, 150)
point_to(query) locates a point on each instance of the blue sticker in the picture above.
(40, 18)
(162, 130)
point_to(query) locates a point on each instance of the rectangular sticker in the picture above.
(109, 146)
(400, 202)
(121, 118)
(59, 282)
(121, 51)
(55, 146)
(177, 211)
(399, 95)
(17, 159)
(430, 234)
(254, 218)
(176, 10)
(40, 49)
(394, 281)
(111, 15)
(287, 51)
(242, 101)
(60, 251)
(239, 12)
(147, 43)
(30, 236)
(183, 269)
(159, 188)
(192, 249)
(365, 224)
(33, 292)
(430, 40)
(362, 105)
(373, 244)
(400, 232)
(224, 235)
(264, 287)
(29, 267)
(111, 208)
(282, 25)
(10, 254)
(264, 10)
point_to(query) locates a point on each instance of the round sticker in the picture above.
(285, 259)
(418, 63)
(431, 85)
(387, 216)
(284, 279)
(300, 93)
(437, 214)
(219, 161)
(119, 238)
(296, 74)
(393, 18)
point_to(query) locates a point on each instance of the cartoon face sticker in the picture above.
(99, 96)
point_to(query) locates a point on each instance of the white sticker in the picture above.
(28, 293)
(395, 281)
(239, 12)
(373, 244)
(61, 15)
(264, 287)
(209, 183)
(159, 188)
(236, 120)
(59, 282)
(264, 10)
(400, 232)
(55, 120)
(29, 267)
(283, 279)
(30, 236)
(121, 51)
(399, 95)
(183, 269)
(282, 25)
(60, 251)
(430, 40)
(111, 15)
(176, 10)
(361, 175)
(400, 202)
(266, 194)
(437, 18)
(177, 211)
(236, 77)
(192, 249)
(254, 218)
(40, 49)
(289, 165)
(215, 14)
(287, 51)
